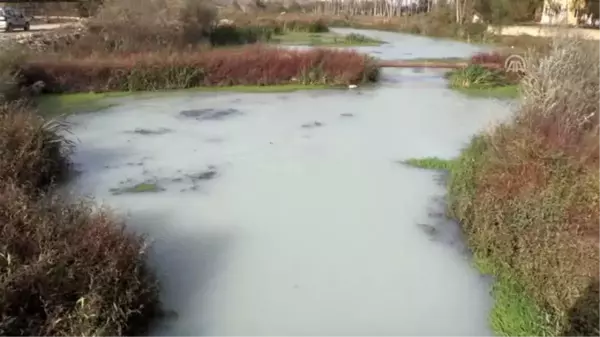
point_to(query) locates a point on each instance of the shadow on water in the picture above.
(186, 265)
(583, 317)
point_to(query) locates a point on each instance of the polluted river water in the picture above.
(291, 213)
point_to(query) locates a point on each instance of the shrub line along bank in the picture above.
(526, 195)
(252, 65)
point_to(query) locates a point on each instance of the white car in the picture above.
(11, 18)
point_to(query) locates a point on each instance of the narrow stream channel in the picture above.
(288, 213)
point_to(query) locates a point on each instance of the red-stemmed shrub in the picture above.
(251, 65)
(488, 58)
(69, 270)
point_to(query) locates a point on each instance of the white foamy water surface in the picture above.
(288, 213)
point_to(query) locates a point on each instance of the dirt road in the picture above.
(35, 28)
(590, 34)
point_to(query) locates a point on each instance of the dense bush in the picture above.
(280, 24)
(251, 65)
(32, 153)
(68, 270)
(310, 26)
(140, 25)
(233, 35)
(65, 269)
(527, 196)
(508, 11)
(12, 56)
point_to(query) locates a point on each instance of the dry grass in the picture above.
(252, 65)
(33, 154)
(66, 270)
(527, 195)
(140, 25)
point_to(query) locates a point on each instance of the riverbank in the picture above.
(526, 196)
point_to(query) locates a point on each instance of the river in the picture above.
(291, 213)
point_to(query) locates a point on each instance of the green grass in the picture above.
(328, 39)
(514, 313)
(52, 105)
(264, 88)
(138, 188)
(431, 163)
(506, 91)
(475, 80)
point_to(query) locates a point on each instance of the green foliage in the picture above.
(233, 35)
(432, 163)
(477, 76)
(508, 11)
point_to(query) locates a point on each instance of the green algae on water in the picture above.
(138, 188)
(431, 163)
(52, 105)
(328, 39)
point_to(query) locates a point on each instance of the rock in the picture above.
(225, 22)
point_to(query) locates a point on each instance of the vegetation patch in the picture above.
(233, 35)
(65, 268)
(267, 88)
(478, 80)
(325, 39)
(227, 67)
(138, 188)
(475, 76)
(33, 152)
(505, 91)
(54, 105)
(514, 312)
(527, 197)
(432, 163)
